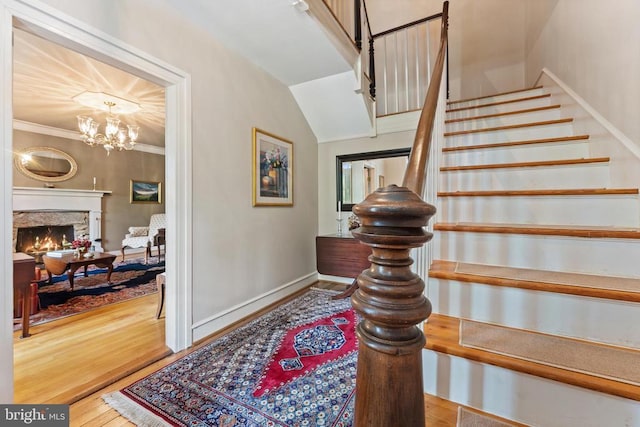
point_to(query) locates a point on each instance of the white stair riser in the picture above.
(519, 153)
(522, 397)
(591, 175)
(517, 134)
(500, 108)
(609, 210)
(499, 98)
(511, 119)
(572, 316)
(607, 257)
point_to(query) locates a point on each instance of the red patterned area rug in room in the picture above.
(129, 279)
(293, 366)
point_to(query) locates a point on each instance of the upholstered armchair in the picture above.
(145, 237)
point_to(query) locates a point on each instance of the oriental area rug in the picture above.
(293, 366)
(129, 279)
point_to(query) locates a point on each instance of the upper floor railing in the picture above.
(398, 62)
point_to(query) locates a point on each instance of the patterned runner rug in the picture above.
(129, 279)
(295, 365)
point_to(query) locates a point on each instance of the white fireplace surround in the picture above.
(39, 199)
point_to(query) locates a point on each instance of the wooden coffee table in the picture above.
(69, 263)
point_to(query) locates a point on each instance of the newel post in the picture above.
(390, 298)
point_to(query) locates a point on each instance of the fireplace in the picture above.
(52, 208)
(39, 240)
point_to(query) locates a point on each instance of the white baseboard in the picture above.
(212, 324)
(337, 279)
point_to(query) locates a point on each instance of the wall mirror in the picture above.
(358, 175)
(46, 164)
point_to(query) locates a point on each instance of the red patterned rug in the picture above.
(129, 279)
(293, 366)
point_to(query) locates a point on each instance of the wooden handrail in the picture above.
(415, 173)
(390, 297)
(405, 26)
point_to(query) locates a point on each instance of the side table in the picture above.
(342, 255)
(24, 267)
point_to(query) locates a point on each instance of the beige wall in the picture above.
(112, 173)
(239, 252)
(593, 47)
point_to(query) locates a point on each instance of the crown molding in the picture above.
(74, 135)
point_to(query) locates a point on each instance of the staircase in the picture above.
(535, 285)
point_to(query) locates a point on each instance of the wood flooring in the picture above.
(67, 359)
(82, 357)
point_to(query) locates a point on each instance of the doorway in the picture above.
(88, 41)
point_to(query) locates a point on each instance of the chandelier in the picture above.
(114, 136)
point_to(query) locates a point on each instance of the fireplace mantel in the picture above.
(63, 199)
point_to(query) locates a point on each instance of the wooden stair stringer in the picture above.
(443, 336)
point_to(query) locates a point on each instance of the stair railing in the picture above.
(404, 58)
(390, 297)
(403, 55)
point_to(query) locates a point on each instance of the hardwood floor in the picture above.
(78, 361)
(67, 359)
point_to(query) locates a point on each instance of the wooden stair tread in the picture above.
(576, 355)
(508, 127)
(506, 113)
(562, 162)
(443, 336)
(614, 288)
(491, 96)
(516, 143)
(493, 104)
(543, 230)
(549, 192)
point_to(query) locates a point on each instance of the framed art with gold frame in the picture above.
(272, 169)
(145, 192)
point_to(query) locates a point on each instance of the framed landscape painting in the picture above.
(145, 192)
(272, 170)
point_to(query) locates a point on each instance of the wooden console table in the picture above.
(342, 255)
(24, 267)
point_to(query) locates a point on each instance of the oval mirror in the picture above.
(46, 164)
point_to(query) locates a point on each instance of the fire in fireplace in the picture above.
(39, 240)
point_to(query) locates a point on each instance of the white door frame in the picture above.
(49, 23)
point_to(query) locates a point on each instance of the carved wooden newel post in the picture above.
(390, 298)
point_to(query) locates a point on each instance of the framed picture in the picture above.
(145, 192)
(272, 170)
